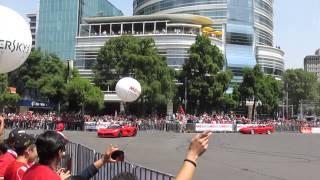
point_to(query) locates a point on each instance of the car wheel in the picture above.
(252, 131)
(269, 132)
(135, 133)
(120, 134)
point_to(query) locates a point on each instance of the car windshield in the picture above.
(113, 127)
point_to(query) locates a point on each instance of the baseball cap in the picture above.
(14, 134)
(23, 141)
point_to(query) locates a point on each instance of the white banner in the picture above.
(103, 125)
(315, 130)
(90, 126)
(214, 127)
(95, 125)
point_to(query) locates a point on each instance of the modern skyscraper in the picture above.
(312, 63)
(33, 27)
(247, 26)
(59, 23)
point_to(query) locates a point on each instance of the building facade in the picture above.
(59, 22)
(173, 35)
(247, 25)
(312, 63)
(33, 28)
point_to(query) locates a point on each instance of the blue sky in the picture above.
(297, 25)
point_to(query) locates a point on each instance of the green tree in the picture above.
(258, 87)
(83, 96)
(3, 82)
(205, 79)
(300, 85)
(270, 94)
(7, 100)
(137, 57)
(42, 75)
(231, 101)
(250, 88)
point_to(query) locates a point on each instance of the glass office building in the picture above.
(59, 23)
(248, 27)
(239, 37)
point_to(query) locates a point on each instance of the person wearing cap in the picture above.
(27, 153)
(60, 126)
(10, 156)
(51, 149)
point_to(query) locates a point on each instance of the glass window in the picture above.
(239, 38)
(170, 4)
(105, 29)
(127, 28)
(138, 28)
(84, 30)
(115, 29)
(175, 30)
(95, 30)
(149, 28)
(160, 27)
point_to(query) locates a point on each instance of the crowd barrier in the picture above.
(310, 130)
(149, 126)
(46, 125)
(78, 157)
(198, 127)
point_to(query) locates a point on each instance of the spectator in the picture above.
(51, 148)
(60, 126)
(197, 147)
(10, 156)
(1, 129)
(27, 153)
(3, 148)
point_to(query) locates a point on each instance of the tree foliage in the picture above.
(83, 96)
(300, 85)
(205, 79)
(44, 77)
(258, 87)
(41, 75)
(7, 100)
(137, 57)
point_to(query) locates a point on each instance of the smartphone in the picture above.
(118, 155)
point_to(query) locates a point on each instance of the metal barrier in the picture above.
(287, 128)
(173, 127)
(82, 156)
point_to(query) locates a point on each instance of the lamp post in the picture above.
(287, 96)
(185, 94)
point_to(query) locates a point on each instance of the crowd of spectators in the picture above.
(24, 157)
(77, 122)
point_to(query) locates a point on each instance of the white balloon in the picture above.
(15, 40)
(128, 89)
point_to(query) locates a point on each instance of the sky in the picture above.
(296, 25)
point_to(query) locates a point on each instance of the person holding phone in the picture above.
(198, 146)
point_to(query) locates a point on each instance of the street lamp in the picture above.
(185, 93)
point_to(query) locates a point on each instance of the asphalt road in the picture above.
(280, 156)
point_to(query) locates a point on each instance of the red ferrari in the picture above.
(116, 130)
(257, 130)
